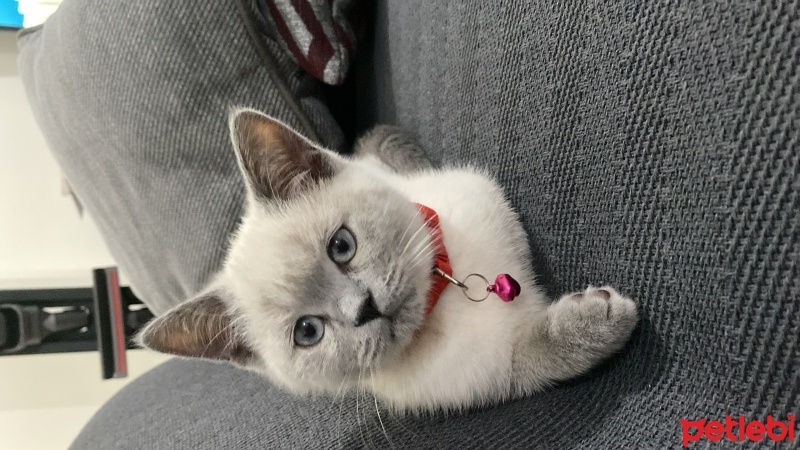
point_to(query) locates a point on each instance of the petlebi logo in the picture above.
(738, 429)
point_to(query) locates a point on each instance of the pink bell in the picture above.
(505, 287)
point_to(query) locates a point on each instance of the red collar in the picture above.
(440, 261)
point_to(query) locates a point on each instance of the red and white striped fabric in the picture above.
(318, 33)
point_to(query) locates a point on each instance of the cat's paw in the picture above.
(598, 320)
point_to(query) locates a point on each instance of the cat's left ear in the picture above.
(277, 162)
(203, 327)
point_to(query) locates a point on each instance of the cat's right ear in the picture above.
(277, 162)
(204, 327)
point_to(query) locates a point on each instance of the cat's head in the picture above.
(326, 278)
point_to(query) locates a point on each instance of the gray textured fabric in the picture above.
(205, 405)
(132, 98)
(651, 145)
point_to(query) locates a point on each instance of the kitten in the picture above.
(329, 281)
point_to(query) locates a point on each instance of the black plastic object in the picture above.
(22, 326)
(26, 326)
(39, 321)
(110, 323)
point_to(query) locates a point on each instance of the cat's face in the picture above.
(326, 279)
(334, 283)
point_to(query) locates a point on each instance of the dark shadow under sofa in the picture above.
(651, 145)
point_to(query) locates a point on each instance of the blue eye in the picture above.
(342, 246)
(308, 330)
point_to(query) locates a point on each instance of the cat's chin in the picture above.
(404, 328)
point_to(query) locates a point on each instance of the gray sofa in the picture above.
(651, 145)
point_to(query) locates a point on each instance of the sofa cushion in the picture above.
(650, 145)
(132, 98)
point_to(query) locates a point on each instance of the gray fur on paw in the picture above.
(394, 147)
(598, 320)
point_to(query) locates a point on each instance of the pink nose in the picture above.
(505, 287)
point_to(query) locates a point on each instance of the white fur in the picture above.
(464, 344)
(464, 353)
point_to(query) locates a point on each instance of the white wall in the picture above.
(44, 399)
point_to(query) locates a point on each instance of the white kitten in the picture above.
(329, 281)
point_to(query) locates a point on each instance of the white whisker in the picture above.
(377, 410)
(411, 239)
(219, 333)
(358, 415)
(430, 248)
(422, 257)
(408, 227)
(416, 248)
(341, 405)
